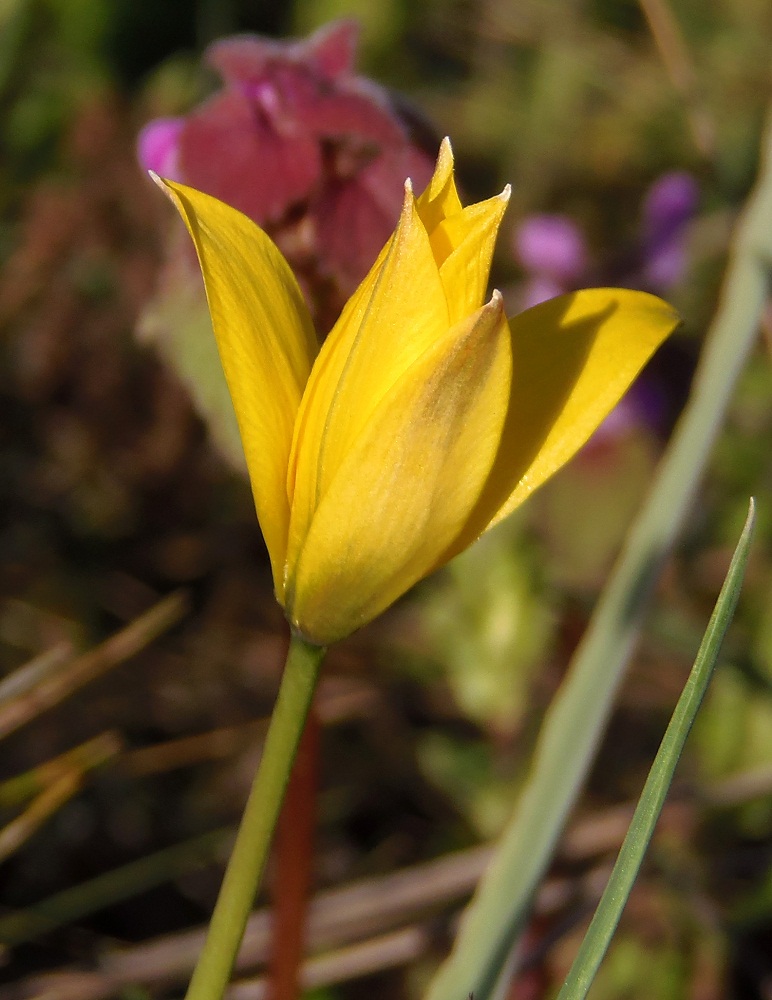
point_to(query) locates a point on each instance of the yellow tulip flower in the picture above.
(424, 418)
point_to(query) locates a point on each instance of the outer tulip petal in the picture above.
(267, 346)
(382, 332)
(573, 358)
(407, 484)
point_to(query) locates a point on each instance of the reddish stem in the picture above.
(293, 865)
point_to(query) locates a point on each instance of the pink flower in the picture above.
(158, 146)
(297, 141)
(552, 246)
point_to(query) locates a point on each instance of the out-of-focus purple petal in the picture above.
(332, 48)
(229, 151)
(670, 203)
(243, 58)
(539, 288)
(643, 405)
(294, 100)
(622, 419)
(158, 147)
(330, 53)
(356, 212)
(551, 245)
(301, 143)
(666, 266)
(289, 114)
(359, 109)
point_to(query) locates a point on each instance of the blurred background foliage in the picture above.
(113, 497)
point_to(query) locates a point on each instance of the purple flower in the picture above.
(301, 144)
(158, 146)
(552, 251)
(669, 206)
(644, 404)
(539, 288)
(551, 246)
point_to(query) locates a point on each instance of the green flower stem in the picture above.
(250, 852)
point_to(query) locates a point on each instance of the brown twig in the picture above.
(215, 744)
(364, 911)
(53, 685)
(50, 785)
(111, 887)
(375, 955)
(336, 699)
(337, 918)
(47, 802)
(32, 673)
(85, 757)
(354, 925)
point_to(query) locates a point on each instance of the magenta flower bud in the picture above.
(553, 246)
(158, 147)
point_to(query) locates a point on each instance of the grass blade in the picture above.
(620, 884)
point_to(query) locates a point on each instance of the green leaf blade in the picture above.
(620, 884)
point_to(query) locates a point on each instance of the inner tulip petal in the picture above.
(440, 199)
(465, 269)
(267, 346)
(407, 484)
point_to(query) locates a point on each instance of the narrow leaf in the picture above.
(620, 884)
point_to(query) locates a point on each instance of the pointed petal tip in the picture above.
(494, 307)
(163, 185)
(496, 300)
(506, 194)
(444, 164)
(408, 201)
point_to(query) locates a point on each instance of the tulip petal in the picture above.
(408, 482)
(395, 316)
(469, 237)
(267, 346)
(573, 358)
(440, 198)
